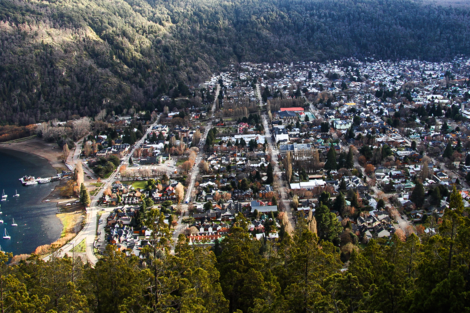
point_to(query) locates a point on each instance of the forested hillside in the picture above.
(60, 58)
(295, 274)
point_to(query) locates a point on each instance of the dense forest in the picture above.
(298, 273)
(63, 58)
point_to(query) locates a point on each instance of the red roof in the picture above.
(292, 109)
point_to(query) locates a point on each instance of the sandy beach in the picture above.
(49, 151)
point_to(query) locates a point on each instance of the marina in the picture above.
(31, 180)
(36, 220)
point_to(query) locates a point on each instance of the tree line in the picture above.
(301, 272)
(61, 60)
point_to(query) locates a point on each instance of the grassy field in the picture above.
(140, 184)
(68, 221)
(80, 248)
(97, 184)
(181, 161)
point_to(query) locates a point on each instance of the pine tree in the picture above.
(436, 196)
(340, 203)
(270, 178)
(458, 147)
(84, 196)
(274, 201)
(417, 196)
(328, 226)
(448, 151)
(349, 159)
(331, 159)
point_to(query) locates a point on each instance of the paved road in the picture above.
(72, 158)
(277, 171)
(194, 174)
(195, 169)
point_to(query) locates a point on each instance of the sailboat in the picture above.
(13, 223)
(4, 196)
(6, 235)
(16, 193)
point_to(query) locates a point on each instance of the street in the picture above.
(88, 231)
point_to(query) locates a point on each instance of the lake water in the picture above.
(37, 223)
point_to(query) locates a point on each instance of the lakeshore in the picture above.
(38, 147)
(36, 210)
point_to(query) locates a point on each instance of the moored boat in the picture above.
(30, 183)
(6, 235)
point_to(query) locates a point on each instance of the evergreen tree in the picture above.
(331, 159)
(328, 226)
(325, 198)
(84, 196)
(436, 196)
(417, 196)
(458, 147)
(448, 151)
(353, 197)
(274, 201)
(270, 174)
(340, 203)
(349, 159)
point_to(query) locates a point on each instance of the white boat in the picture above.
(13, 223)
(6, 235)
(25, 179)
(30, 183)
(4, 196)
(1, 221)
(43, 180)
(16, 193)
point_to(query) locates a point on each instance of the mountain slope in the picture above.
(60, 58)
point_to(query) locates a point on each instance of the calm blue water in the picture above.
(37, 223)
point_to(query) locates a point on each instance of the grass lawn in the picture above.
(67, 220)
(139, 184)
(81, 247)
(181, 161)
(97, 184)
